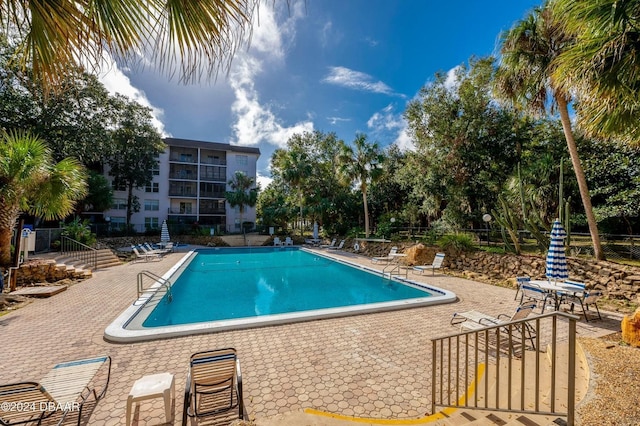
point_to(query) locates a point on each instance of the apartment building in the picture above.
(188, 187)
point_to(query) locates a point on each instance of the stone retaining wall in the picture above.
(617, 281)
(45, 271)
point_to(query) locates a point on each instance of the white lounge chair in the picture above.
(288, 241)
(277, 242)
(65, 388)
(339, 247)
(145, 256)
(437, 264)
(584, 299)
(387, 258)
(474, 320)
(333, 244)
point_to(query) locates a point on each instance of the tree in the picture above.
(31, 182)
(243, 193)
(361, 164)
(57, 37)
(601, 65)
(525, 78)
(294, 168)
(466, 146)
(137, 145)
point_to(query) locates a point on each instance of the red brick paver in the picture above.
(373, 365)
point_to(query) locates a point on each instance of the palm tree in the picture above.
(525, 78)
(31, 182)
(192, 36)
(362, 166)
(602, 66)
(243, 193)
(295, 169)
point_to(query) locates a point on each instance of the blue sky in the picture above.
(343, 66)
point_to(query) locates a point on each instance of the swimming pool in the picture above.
(232, 288)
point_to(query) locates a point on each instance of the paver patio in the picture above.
(372, 365)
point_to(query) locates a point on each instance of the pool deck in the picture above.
(370, 365)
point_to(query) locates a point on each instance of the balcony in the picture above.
(212, 211)
(182, 193)
(207, 194)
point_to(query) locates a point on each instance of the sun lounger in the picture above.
(436, 264)
(145, 256)
(64, 389)
(474, 320)
(333, 244)
(338, 247)
(387, 258)
(214, 385)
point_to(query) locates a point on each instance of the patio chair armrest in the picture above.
(488, 322)
(457, 319)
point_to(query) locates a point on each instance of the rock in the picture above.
(631, 329)
(414, 254)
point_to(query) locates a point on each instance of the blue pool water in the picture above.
(226, 284)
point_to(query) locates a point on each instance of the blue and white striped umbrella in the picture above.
(164, 233)
(556, 260)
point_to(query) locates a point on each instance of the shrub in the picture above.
(458, 242)
(79, 230)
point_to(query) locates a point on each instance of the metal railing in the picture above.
(503, 367)
(79, 252)
(389, 270)
(165, 285)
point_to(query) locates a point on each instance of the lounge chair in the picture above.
(333, 244)
(149, 249)
(519, 281)
(387, 258)
(474, 320)
(276, 241)
(584, 299)
(288, 241)
(437, 264)
(214, 385)
(145, 256)
(64, 389)
(339, 247)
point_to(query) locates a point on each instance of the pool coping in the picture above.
(118, 332)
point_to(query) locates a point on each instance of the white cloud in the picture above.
(451, 82)
(389, 125)
(335, 120)
(254, 121)
(345, 77)
(325, 34)
(115, 81)
(263, 181)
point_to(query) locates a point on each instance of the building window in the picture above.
(118, 222)
(155, 170)
(185, 208)
(152, 187)
(115, 187)
(151, 205)
(119, 204)
(242, 160)
(151, 222)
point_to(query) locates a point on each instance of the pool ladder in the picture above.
(388, 271)
(165, 285)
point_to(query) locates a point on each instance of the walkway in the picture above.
(373, 365)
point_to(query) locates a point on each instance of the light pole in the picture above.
(487, 218)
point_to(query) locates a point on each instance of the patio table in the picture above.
(557, 289)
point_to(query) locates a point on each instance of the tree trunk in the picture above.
(8, 216)
(582, 181)
(129, 205)
(366, 211)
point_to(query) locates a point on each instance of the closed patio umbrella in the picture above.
(556, 259)
(315, 230)
(164, 233)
